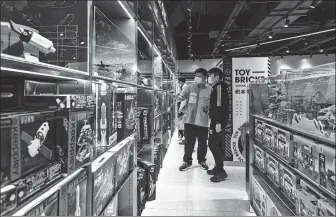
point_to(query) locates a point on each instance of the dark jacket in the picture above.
(219, 105)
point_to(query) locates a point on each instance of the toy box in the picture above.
(289, 182)
(259, 158)
(270, 137)
(326, 207)
(72, 196)
(145, 125)
(59, 102)
(150, 174)
(306, 157)
(271, 209)
(27, 144)
(141, 189)
(157, 159)
(285, 147)
(126, 114)
(105, 114)
(75, 138)
(102, 181)
(272, 169)
(8, 199)
(327, 167)
(47, 207)
(307, 200)
(32, 184)
(112, 208)
(259, 197)
(259, 131)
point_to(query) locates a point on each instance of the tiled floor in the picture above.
(192, 193)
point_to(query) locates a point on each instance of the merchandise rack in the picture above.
(16, 67)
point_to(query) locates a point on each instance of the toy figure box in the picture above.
(307, 200)
(270, 137)
(259, 199)
(47, 207)
(150, 174)
(27, 144)
(272, 169)
(326, 207)
(72, 196)
(306, 157)
(112, 208)
(102, 181)
(8, 199)
(289, 182)
(259, 158)
(259, 131)
(75, 138)
(32, 184)
(126, 114)
(285, 148)
(327, 168)
(141, 189)
(105, 114)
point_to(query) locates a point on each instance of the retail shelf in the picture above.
(16, 66)
(274, 192)
(298, 131)
(325, 192)
(144, 147)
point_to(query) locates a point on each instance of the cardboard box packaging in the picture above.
(270, 137)
(285, 147)
(126, 114)
(73, 195)
(272, 169)
(327, 168)
(150, 173)
(289, 182)
(259, 197)
(259, 131)
(47, 207)
(271, 209)
(306, 157)
(112, 208)
(326, 207)
(8, 199)
(141, 189)
(259, 158)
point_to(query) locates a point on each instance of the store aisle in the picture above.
(192, 193)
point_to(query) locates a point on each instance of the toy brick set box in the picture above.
(259, 131)
(260, 158)
(289, 182)
(327, 168)
(72, 196)
(141, 190)
(259, 197)
(126, 114)
(112, 207)
(144, 125)
(272, 169)
(285, 148)
(150, 176)
(306, 157)
(270, 137)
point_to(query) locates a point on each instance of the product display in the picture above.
(327, 168)
(271, 137)
(112, 207)
(126, 114)
(272, 169)
(289, 182)
(8, 199)
(150, 175)
(47, 207)
(145, 127)
(285, 148)
(326, 207)
(259, 197)
(271, 209)
(260, 158)
(141, 190)
(259, 130)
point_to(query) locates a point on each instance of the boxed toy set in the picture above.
(102, 180)
(326, 207)
(306, 157)
(8, 199)
(259, 197)
(27, 144)
(75, 138)
(157, 159)
(259, 130)
(285, 148)
(126, 114)
(141, 189)
(259, 158)
(272, 169)
(145, 126)
(112, 207)
(289, 182)
(271, 209)
(150, 175)
(327, 167)
(72, 196)
(270, 137)
(47, 207)
(106, 117)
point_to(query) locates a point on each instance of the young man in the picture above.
(218, 115)
(197, 96)
(181, 111)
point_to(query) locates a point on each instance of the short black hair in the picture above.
(182, 79)
(217, 72)
(201, 70)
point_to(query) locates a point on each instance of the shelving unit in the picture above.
(105, 62)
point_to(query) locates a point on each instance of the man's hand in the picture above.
(218, 128)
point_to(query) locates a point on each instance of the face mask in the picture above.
(198, 80)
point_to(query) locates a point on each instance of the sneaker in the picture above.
(221, 176)
(185, 166)
(212, 172)
(204, 165)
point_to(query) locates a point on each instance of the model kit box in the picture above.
(306, 157)
(307, 200)
(126, 114)
(285, 147)
(112, 207)
(259, 131)
(72, 196)
(32, 184)
(259, 197)
(150, 173)
(326, 207)
(272, 169)
(75, 138)
(289, 182)
(271, 209)
(102, 181)
(8, 199)
(106, 120)
(259, 158)
(327, 167)
(270, 137)
(27, 144)
(47, 207)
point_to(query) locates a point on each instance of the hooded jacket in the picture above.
(219, 105)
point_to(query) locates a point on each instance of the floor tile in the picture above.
(210, 213)
(158, 204)
(172, 175)
(219, 205)
(171, 191)
(164, 212)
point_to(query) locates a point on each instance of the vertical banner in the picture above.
(244, 71)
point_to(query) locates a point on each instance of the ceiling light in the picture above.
(270, 35)
(287, 50)
(287, 23)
